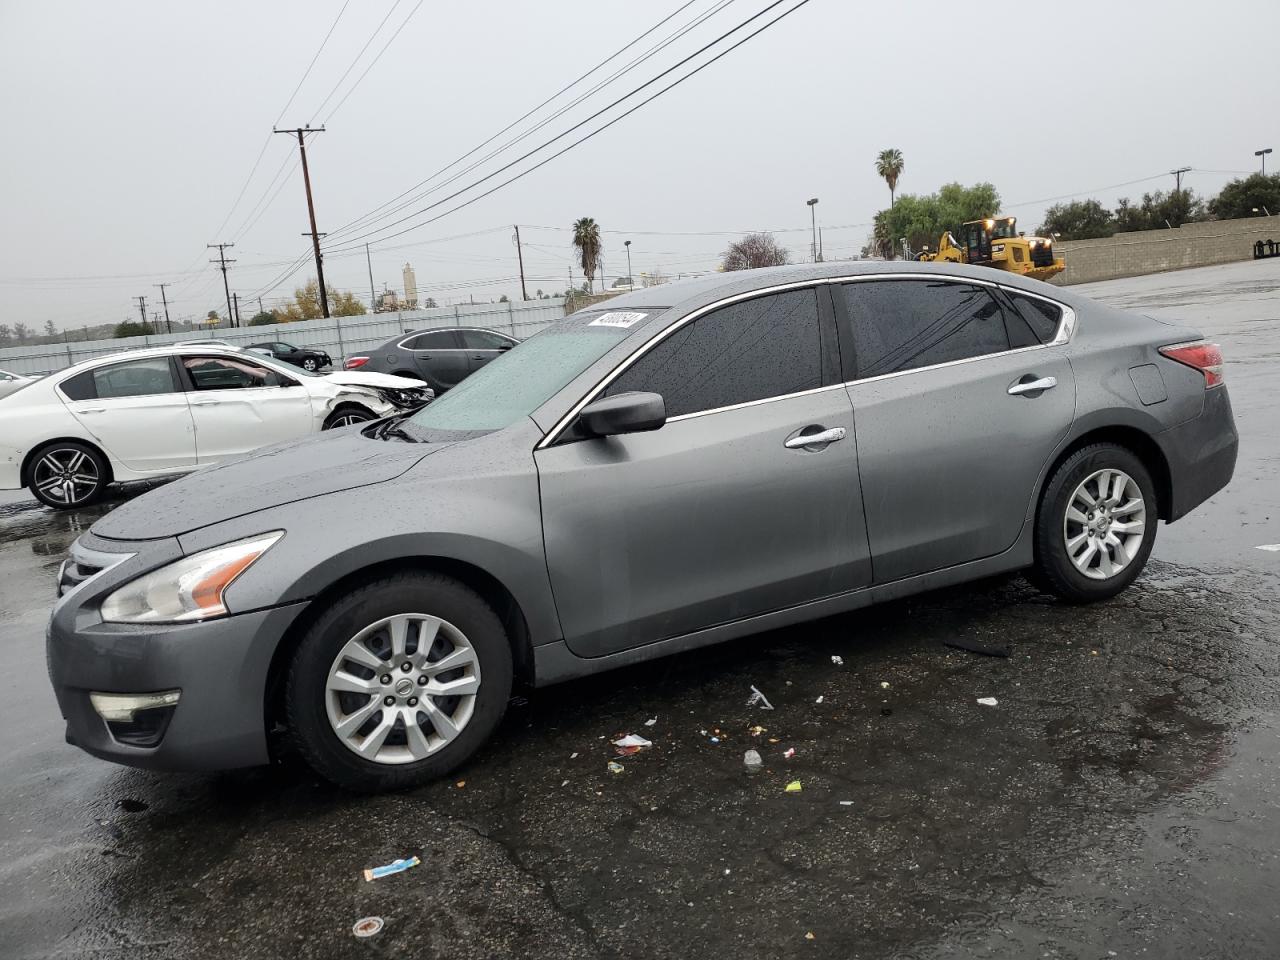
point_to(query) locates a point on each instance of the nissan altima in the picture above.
(685, 465)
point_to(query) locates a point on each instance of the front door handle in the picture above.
(803, 441)
(205, 403)
(1033, 386)
(93, 410)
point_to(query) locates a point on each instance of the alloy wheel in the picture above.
(310, 365)
(347, 419)
(402, 688)
(1104, 524)
(66, 475)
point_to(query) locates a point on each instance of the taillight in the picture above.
(1201, 355)
(354, 363)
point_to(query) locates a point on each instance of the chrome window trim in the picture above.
(418, 333)
(1066, 328)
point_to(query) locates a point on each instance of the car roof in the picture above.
(681, 296)
(172, 349)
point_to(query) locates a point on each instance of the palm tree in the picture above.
(890, 166)
(586, 238)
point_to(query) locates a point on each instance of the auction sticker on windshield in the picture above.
(622, 319)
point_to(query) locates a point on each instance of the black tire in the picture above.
(311, 364)
(405, 593)
(1054, 571)
(346, 416)
(67, 454)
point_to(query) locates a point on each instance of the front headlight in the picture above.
(187, 589)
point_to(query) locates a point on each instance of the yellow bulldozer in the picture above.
(995, 242)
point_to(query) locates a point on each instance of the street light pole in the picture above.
(1263, 155)
(813, 223)
(631, 282)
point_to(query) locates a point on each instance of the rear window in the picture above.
(435, 340)
(132, 378)
(1041, 316)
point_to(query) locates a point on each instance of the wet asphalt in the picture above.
(1121, 799)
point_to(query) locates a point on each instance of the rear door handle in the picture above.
(205, 403)
(1033, 386)
(802, 441)
(93, 409)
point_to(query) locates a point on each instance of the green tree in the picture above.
(343, 303)
(49, 329)
(21, 332)
(889, 166)
(1160, 210)
(131, 328)
(922, 219)
(5, 333)
(503, 299)
(1240, 198)
(262, 318)
(752, 251)
(429, 303)
(586, 239)
(306, 304)
(1078, 220)
(212, 319)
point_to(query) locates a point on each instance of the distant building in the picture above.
(387, 302)
(410, 287)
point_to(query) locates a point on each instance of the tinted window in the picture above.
(229, 373)
(134, 378)
(483, 340)
(1043, 317)
(751, 350)
(435, 340)
(905, 324)
(79, 387)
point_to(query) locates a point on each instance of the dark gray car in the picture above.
(690, 464)
(443, 357)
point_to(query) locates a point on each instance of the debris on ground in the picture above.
(756, 730)
(760, 698)
(631, 744)
(1270, 547)
(752, 761)
(819, 700)
(989, 701)
(846, 803)
(838, 661)
(397, 866)
(973, 646)
(773, 739)
(367, 927)
(616, 767)
(460, 784)
(884, 684)
(794, 787)
(651, 721)
(810, 936)
(565, 783)
(574, 755)
(789, 752)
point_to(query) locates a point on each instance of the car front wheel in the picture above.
(398, 682)
(348, 416)
(68, 475)
(1096, 524)
(310, 364)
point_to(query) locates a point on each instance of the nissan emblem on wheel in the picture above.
(694, 463)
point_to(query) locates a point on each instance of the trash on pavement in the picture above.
(838, 661)
(989, 701)
(616, 767)
(819, 700)
(752, 761)
(651, 721)
(973, 646)
(367, 927)
(794, 787)
(756, 730)
(760, 698)
(810, 936)
(631, 744)
(574, 755)
(846, 803)
(884, 684)
(460, 784)
(789, 752)
(398, 866)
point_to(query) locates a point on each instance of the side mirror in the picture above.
(505, 346)
(624, 413)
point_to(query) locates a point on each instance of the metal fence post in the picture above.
(342, 351)
(457, 319)
(511, 317)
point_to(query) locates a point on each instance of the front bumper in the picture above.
(220, 668)
(1201, 453)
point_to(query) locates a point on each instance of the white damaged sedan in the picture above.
(170, 410)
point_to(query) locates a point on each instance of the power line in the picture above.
(563, 90)
(351, 67)
(307, 72)
(373, 63)
(601, 129)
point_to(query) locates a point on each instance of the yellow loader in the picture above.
(995, 242)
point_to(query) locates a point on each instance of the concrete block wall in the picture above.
(1154, 251)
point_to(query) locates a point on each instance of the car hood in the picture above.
(270, 477)
(356, 378)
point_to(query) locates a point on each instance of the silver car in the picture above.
(687, 465)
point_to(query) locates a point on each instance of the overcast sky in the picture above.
(130, 129)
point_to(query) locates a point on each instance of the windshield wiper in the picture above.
(391, 428)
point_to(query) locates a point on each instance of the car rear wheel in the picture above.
(398, 682)
(310, 364)
(68, 475)
(347, 416)
(1096, 524)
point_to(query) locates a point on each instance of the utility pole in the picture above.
(167, 325)
(631, 280)
(142, 308)
(235, 298)
(1178, 178)
(222, 261)
(260, 310)
(524, 294)
(311, 210)
(373, 297)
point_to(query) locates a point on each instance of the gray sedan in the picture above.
(443, 357)
(690, 464)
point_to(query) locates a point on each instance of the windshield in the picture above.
(1005, 229)
(522, 379)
